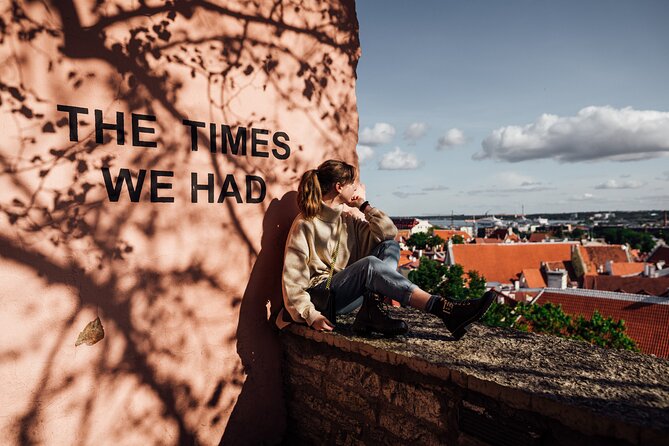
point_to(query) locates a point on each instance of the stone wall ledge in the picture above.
(599, 393)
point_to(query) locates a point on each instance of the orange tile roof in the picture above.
(405, 257)
(504, 262)
(646, 319)
(403, 233)
(627, 268)
(636, 254)
(537, 237)
(661, 253)
(656, 286)
(411, 265)
(595, 257)
(488, 241)
(447, 234)
(555, 266)
(534, 278)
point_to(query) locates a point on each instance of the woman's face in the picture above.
(348, 191)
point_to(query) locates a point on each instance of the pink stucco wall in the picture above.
(183, 290)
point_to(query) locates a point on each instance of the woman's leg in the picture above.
(380, 276)
(389, 252)
(371, 273)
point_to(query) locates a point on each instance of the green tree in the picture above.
(602, 331)
(418, 240)
(551, 319)
(434, 240)
(577, 234)
(447, 280)
(428, 275)
(636, 239)
(499, 315)
(457, 239)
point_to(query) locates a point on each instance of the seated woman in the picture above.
(366, 258)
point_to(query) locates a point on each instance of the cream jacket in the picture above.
(310, 245)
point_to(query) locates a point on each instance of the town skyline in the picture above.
(468, 107)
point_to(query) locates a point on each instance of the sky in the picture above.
(477, 107)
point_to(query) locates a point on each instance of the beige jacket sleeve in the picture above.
(376, 228)
(295, 276)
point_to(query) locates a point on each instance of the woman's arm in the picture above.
(376, 227)
(295, 275)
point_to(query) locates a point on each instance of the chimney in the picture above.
(556, 279)
(648, 270)
(609, 267)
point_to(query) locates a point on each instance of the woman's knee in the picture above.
(390, 244)
(387, 248)
(375, 265)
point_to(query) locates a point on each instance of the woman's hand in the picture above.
(321, 323)
(358, 196)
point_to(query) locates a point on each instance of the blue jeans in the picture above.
(376, 273)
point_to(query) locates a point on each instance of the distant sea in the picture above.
(446, 222)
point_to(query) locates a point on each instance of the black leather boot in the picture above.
(373, 317)
(457, 314)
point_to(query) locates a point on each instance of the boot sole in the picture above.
(461, 329)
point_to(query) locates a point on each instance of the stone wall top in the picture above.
(594, 390)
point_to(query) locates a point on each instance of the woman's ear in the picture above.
(338, 187)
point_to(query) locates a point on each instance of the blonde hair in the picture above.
(316, 183)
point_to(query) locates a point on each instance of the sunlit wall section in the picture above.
(148, 151)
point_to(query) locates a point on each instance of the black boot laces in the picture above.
(380, 305)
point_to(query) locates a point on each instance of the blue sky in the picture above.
(475, 106)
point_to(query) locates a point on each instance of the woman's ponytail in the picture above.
(316, 183)
(309, 194)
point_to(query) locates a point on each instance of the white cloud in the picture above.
(516, 182)
(452, 138)
(664, 176)
(438, 187)
(401, 194)
(398, 160)
(415, 131)
(515, 179)
(613, 184)
(582, 197)
(381, 133)
(365, 153)
(595, 133)
(511, 182)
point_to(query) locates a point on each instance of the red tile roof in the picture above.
(595, 257)
(405, 223)
(627, 268)
(499, 233)
(555, 266)
(504, 262)
(661, 253)
(405, 257)
(646, 318)
(488, 241)
(534, 278)
(537, 237)
(656, 286)
(447, 234)
(402, 234)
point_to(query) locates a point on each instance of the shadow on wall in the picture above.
(260, 403)
(168, 280)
